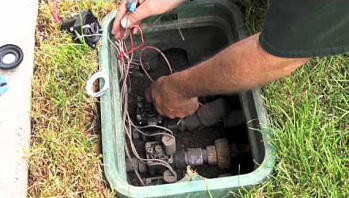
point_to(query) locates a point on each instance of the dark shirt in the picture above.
(306, 28)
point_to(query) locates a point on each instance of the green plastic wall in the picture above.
(221, 13)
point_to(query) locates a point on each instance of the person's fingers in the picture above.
(120, 34)
(135, 30)
(160, 112)
(139, 14)
(158, 106)
(117, 30)
(181, 115)
(193, 105)
(125, 34)
(171, 116)
(189, 107)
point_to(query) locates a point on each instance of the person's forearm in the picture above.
(242, 66)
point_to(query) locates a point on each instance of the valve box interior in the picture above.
(213, 142)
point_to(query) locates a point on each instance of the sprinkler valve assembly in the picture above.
(84, 25)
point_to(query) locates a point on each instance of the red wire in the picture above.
(133, 47)
(159, 51)
(54, 13)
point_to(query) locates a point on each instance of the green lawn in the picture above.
(309, 112)
(65, 159)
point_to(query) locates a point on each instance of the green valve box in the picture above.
(199, 29)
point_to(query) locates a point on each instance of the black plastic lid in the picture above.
(10, 56)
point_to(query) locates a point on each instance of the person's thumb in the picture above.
(134, 17)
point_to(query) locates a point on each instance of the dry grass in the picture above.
(64, 159)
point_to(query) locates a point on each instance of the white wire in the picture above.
(84, 35)
(121, 48)
(155, 126)
(157, 161)
(93, 78)
(153, 134)
(134, 168)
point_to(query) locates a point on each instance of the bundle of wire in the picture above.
(125, 58)
(125, 63)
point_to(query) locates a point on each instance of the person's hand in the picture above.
(168, 101)
(145, 9)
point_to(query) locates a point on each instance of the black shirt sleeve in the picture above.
(306, 28)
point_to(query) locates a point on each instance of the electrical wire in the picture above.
(147, 161)
(84, 35)
(134, 168)
(125, 59)
(54, 13)
(125, 56)
(162, 54)
(155, 126)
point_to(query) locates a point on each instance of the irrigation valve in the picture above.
(214, 155)
(164, 148)
(207, 115)
(83, 27)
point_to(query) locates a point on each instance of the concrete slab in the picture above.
(18, 21)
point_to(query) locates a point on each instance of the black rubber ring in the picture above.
(15, 51)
